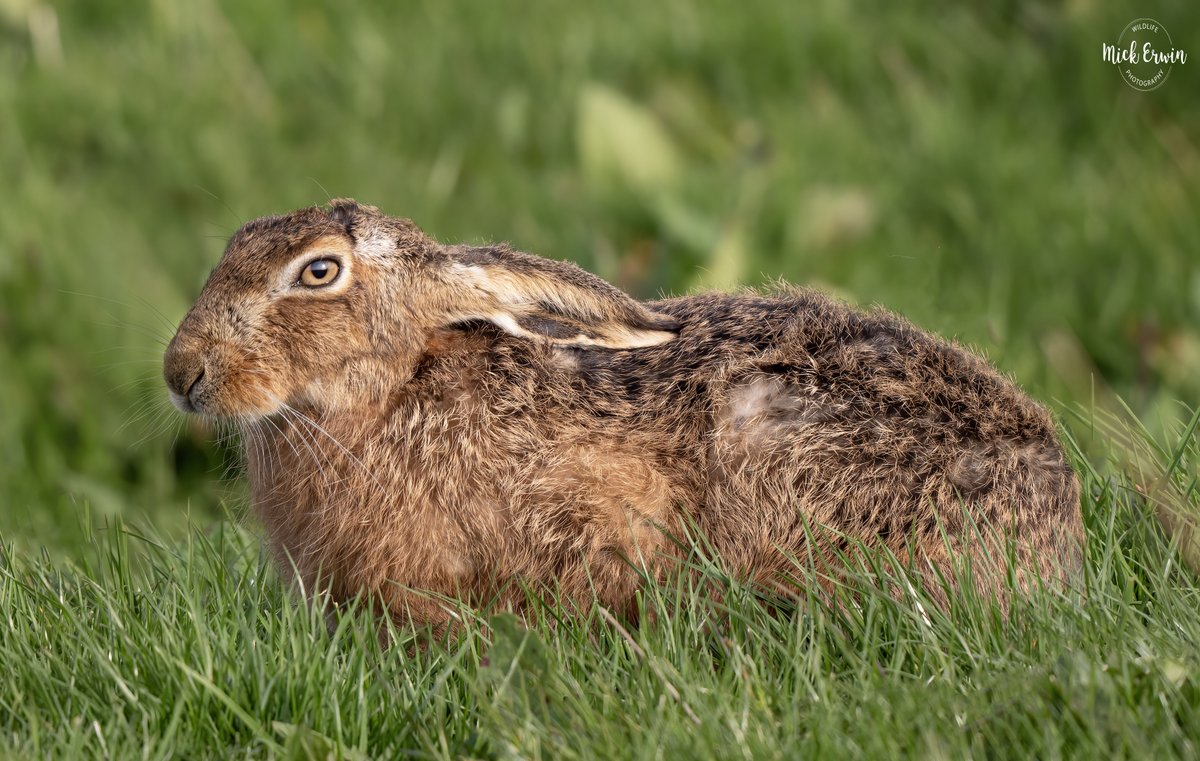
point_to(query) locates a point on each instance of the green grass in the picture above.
(155, 650)
(976, 168)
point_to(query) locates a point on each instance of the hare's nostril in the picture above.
(192, 386)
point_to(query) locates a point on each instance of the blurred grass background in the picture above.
(975, 167)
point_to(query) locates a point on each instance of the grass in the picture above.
(976, 168)
(159, 650)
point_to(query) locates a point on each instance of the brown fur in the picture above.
(454, 419)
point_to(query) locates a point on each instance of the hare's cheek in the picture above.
(244, 388)
(345, 389)
(252, 396)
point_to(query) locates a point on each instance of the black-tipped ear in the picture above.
(534, 297)
(344, 211)
(347, 212)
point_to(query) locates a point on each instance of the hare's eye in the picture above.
(320, 272)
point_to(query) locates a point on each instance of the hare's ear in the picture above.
(533, 297)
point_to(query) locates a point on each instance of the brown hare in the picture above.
(424, 421)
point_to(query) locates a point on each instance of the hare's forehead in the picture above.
(272, 234)
(271, 253)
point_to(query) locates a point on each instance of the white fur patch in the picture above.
(752, 399)
(375, 247)
(765, 404)
(566, 359)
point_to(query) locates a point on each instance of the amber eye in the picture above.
(320, 272)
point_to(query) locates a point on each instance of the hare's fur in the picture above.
(451, 420)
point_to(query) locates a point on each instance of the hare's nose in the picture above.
(183, 373)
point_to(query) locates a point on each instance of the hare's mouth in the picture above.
(225, 399)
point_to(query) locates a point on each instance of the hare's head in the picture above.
(329, 308)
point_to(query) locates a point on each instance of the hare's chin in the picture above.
(182, 403)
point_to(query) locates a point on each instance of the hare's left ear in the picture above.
(533, 297)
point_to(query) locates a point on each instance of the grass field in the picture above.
(977, 168)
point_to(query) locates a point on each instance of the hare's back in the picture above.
(802, 356)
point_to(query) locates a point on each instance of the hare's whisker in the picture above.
(317, 426)
(167, 322)
(286, 439)
(313, 451)
(162, 422)
(311, 436)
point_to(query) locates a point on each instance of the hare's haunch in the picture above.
(452, 419)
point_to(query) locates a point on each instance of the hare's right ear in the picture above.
(533, 297)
